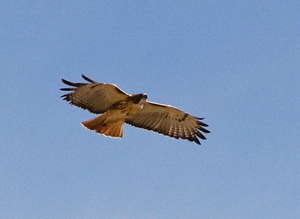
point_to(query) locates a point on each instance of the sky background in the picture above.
(236, 63)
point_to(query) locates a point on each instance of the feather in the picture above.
(88, 79)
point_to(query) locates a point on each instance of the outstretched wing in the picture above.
(169, 121)
(93, 96)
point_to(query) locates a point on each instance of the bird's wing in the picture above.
(170, 121)
(93, 96)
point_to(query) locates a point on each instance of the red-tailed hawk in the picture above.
(118, 107)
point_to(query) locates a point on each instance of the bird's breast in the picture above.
(132, 108)
(123, 110)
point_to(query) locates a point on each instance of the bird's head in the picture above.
(138, 97)
(145, 96)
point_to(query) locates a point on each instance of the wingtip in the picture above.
(196, 140)
(198, 118)
(65, 97)
(88, 79)
(66, 89)
(203, 129)
(202, 123)
(200, 135)
(68, 82)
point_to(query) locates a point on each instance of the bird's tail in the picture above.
(98, 124)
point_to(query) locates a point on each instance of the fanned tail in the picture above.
(98, 124)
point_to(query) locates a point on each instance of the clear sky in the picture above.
(236, 63)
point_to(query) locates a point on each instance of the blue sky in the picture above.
(236, 63)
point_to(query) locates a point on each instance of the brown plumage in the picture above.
(118, 107)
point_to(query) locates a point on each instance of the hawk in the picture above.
(117, 107)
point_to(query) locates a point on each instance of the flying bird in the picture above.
(117, 107)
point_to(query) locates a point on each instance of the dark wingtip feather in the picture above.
(88, 79)
(203, 129)
(72, 84)
(196, 140)
(199, 118)
(67, 89)
(65, 97)
(200, 130)
(68, 82)
(202, 123)
(200, 135)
